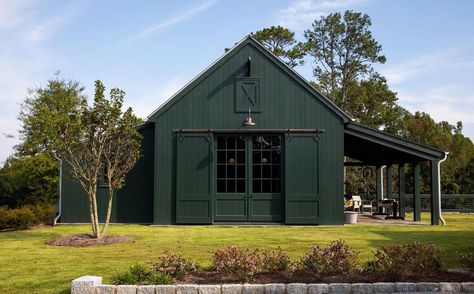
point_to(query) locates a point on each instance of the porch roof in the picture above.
(375, 147)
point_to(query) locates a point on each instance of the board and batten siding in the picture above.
(284, 103)
(131, 204)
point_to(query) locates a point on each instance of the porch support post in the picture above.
(401, 189)
(435, 184)
(379, 187)
(389, 180)
(416, 192)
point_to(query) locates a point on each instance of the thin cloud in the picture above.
(425, 65)
(173, 20)
(301, 13)
(13, 13)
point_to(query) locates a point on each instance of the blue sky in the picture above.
(151, 49)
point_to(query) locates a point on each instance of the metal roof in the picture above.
(377, 147)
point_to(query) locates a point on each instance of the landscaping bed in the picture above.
(83, 240)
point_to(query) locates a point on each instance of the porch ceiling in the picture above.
(375, 147)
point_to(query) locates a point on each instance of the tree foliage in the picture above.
(88, 138)
(46, 113)
(281, 42)
(28, 180)
(344, 50)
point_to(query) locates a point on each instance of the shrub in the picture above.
(174, 265)
(44, 213)
(467, 260)
(275, 261)
(335, 258)
(411, 258)
(21, 218)
(140, 274)
(236, 263)
(25, 216)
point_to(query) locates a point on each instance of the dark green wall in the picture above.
(131, 204)
(284, 103)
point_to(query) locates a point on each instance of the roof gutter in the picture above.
(58, 214)
(439, 186)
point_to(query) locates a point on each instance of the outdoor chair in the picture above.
(366, 205)
(356, 203)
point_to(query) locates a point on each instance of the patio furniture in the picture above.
(366, 205)
(356, 203)
(387, 203)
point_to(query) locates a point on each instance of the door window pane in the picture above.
(266, 164)
(231, 164)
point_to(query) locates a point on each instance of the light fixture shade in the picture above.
(248, 122)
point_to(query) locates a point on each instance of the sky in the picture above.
(150, 49)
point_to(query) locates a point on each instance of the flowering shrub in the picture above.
(275, 261)
(140, 274)
(408, 259)
(335, 258)
(236, 263)
(174, 265)
(467, 260)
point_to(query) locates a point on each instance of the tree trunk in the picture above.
(91, 214)
(95, 212)
(109, 211)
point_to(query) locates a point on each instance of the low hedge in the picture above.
(26, 216)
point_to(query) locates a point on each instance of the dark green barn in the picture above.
(207, 160)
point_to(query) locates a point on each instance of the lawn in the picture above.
(29, 265)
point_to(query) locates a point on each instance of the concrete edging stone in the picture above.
(93, 285)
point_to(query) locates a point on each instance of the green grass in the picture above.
(28, 264)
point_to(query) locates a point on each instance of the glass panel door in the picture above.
(248, 178)
(231, 179)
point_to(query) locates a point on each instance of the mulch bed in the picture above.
(211, 277)
(84, 240)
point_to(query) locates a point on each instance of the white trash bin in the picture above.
(350, 217)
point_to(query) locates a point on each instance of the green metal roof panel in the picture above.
(397, 144)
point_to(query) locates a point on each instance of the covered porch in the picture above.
(385, 152)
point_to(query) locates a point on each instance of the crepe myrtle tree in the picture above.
(106, 141)
(90, 139)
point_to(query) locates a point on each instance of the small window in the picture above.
(102, 177)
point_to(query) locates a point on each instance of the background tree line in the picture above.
(342, 51)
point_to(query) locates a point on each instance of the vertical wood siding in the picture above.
(284, 104)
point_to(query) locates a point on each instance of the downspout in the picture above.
(439, 186)
(381, 182)
(55, 221)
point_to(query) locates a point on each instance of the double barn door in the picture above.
(240, 178)
(248, 181)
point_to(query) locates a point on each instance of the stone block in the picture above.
(340, 288)
(467, 287)
(427, 287)
(231, 289)
(187, 289)
(296, 288)
(209, 289)
(449, 287)
(383, 287)
(362, 288)
(146, 289)
(126, 289)
(274, 288)
(405, 287)
(85, 284)
(318, 288)
(105, 289)
(165, 289)
(253, 289)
